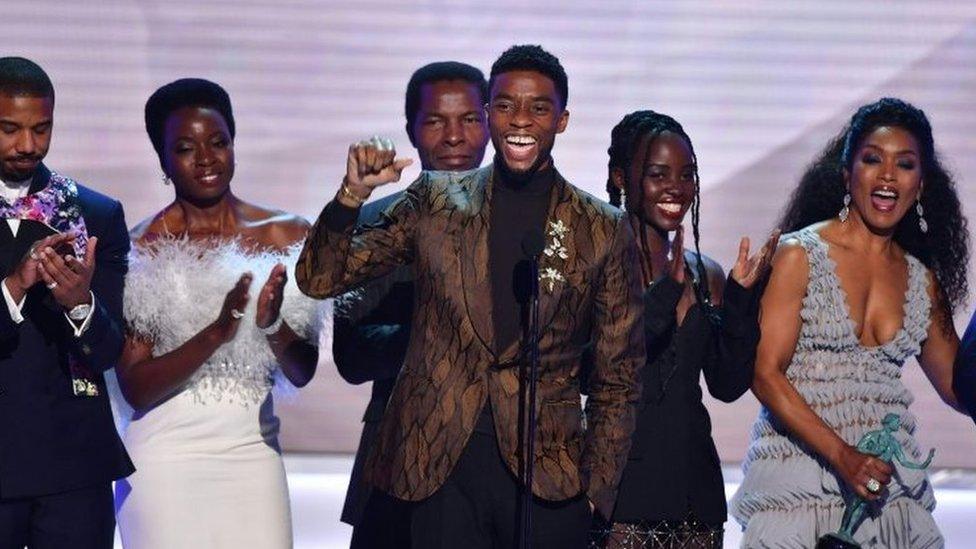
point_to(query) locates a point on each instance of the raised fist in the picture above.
(370, 163)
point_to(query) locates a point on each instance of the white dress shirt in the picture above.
(11, 191)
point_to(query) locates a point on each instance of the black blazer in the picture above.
(371, 332)
(52, 441)
(964, 375)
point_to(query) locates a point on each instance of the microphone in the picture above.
(533, 244)
(526, 274)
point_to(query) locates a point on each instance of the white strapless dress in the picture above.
(209, 472)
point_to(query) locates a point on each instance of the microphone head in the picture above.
(533, 242)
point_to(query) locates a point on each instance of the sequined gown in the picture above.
(790, 496)
(208, 467)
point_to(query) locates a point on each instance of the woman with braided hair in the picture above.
(671, 493)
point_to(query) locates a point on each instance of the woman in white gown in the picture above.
(202, 357)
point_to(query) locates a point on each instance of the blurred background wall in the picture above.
(759, 86)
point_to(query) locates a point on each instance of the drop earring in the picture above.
(922, 224)
(846, 210)
(166, 180)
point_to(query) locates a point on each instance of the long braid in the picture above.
(703, 287)
(624, 140)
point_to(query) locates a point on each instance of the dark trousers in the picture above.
(385, 524)
(79, 519)
(478, 508)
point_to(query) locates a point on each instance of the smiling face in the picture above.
(662, 172)
(524, 116)
(885, 177)
(25, 134)
(450, 131)
(198, 153)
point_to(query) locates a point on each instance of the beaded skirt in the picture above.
(670, 534)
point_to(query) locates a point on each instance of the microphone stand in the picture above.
(531, 352)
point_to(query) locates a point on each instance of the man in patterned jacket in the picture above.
(449, 440)
(445, 114)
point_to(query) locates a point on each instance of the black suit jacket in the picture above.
(964, 376)
(371, 332)
(51, 440)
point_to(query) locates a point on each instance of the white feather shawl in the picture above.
(176, 287)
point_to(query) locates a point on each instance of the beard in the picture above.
(521, 177)
(12, 173)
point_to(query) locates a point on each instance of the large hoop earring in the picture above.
(922, 224)
(845, 212)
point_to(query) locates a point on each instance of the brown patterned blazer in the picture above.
(440, 225)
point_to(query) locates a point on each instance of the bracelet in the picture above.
(344, 189)
(274, 327)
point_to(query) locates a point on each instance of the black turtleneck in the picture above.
(519, 204)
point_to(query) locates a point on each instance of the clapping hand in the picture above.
(271, 297)
(749, 270)
(27, 273)
(677, 259)
(370, 164)
(68, 277)
(233, 309)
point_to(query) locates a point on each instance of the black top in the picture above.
(673, 471)
(518, 206)
(964, 376)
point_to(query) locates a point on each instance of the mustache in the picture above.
(19, 157)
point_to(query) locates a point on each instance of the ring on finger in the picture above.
(52, 285)
(873, 486)
(236, 315)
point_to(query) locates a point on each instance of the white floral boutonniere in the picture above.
(554, 250)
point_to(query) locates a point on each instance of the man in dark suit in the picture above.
(446, 124)
(63, 253)
(450, 440)
(964, 375)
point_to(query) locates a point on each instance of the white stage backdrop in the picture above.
(759, 85)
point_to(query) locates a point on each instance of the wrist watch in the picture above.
(80, 312)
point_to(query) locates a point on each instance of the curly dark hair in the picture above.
(532, 58)
(185, 92)
(944, 249)
(624, 139)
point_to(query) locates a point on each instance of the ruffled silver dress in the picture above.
(790, 496)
